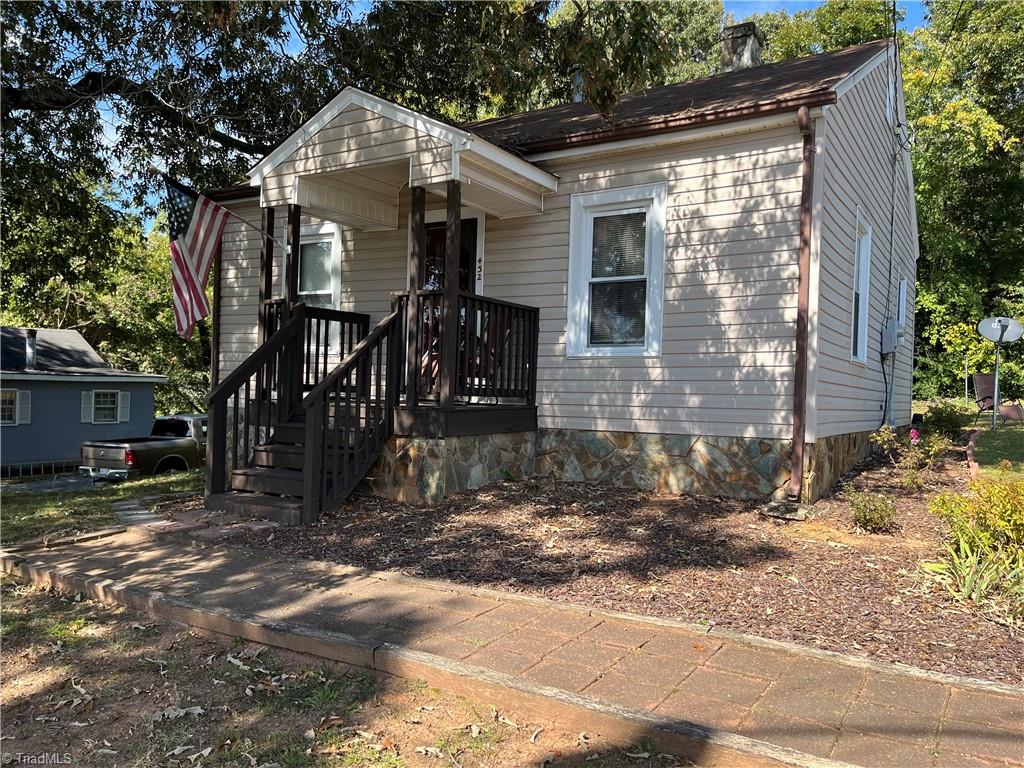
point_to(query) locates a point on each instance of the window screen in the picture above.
(315, 273)
(618, 279)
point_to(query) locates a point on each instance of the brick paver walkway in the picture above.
(820, 706)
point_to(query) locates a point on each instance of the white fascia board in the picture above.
(544, 181)
(861, 72)
(352, 96)
(813, 307)
(146, 378)
(683, 136)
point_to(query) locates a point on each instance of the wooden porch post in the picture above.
(450, 311)
(419, 247)
(266, 270)
(291, 290)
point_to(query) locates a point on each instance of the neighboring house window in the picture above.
(616, 269)
(861, 290)
(104, 407)
(101, 406)
(901, 308)
(8, 407)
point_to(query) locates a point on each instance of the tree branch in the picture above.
(98, 85)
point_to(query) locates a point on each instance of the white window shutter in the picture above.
(124, 406)
(24, 406)
(87, 407)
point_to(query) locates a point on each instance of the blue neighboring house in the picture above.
(56, 392)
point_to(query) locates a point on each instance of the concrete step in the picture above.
(286, 511)
(281, 482)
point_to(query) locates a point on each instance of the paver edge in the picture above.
(43, 543)
(711, 630)
(277, 633)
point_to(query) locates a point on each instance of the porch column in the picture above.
(416, 254)
(450, 312)
(291, 290)
(266, 270)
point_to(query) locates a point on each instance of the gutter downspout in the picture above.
(806, 126)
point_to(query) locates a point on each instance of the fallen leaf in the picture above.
(536, 733)
(180, 750)
(429, 751)
(638, 755)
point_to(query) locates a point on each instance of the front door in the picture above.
(433, 269)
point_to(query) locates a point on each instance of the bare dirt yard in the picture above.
(100, 686)
(818, 582)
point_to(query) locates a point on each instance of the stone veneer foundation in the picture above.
(425, 470)
(828, 458)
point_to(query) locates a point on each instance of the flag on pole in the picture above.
(195, 225)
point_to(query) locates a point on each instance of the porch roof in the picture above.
(353, 174)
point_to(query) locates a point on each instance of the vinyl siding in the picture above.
(359, 137)
(56, 431)
(858, 173)
(732, 235)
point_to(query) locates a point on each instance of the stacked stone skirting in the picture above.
(423, 470)
(828, 458)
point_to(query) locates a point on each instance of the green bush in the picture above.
(948, 418)
(872, 512)
(984, 559)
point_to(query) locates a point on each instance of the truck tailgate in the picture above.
(109, 456)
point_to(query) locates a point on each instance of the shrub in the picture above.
(911, 479)
(984, 559)
(947, 417)
(935, 446)
(886, 438)
(872, 512)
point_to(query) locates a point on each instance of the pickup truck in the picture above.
(175, 443)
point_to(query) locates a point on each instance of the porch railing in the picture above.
(267, 388)
(349, 415)
(250, 400)
(496, 352)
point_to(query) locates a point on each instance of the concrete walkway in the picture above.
(826, 706)
(133, 512)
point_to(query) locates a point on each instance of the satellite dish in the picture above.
(1001, 330)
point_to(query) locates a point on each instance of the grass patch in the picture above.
(1005, 444)
(26, 516)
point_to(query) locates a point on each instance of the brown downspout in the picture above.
(803, 120)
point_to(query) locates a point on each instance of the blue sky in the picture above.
(741, 9)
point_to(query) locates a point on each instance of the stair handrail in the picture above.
(351, 359)
(315, 496)
(251, 364)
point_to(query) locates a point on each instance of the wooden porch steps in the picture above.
(282, 482)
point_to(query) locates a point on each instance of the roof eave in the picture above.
(816, 99)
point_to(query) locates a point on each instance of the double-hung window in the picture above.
(104, 407)
(616, 270)
(861, 291)
(9, 407)
(320, 277)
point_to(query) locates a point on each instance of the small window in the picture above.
(9, 407)
(861, 290)
(901, 307)
(104, 407)
(616, 269)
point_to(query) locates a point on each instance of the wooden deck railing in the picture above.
(349, 415)
(250, 400)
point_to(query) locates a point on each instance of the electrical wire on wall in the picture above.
(897, 145)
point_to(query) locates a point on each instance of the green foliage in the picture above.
(947, 418)
(833, 24)
(984, 560)
(872, 512)
(888, 439)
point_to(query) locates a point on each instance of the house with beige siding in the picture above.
(711, 293)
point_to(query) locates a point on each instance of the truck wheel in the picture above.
(171, 464)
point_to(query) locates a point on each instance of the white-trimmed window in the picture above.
(861, 291)
(106, 406)
(616, 272)
(901, 307)
(8, 407)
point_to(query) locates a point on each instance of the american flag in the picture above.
(195, 224)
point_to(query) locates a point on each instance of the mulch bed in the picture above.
(818, 582)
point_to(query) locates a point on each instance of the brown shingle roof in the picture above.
(746, 93)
